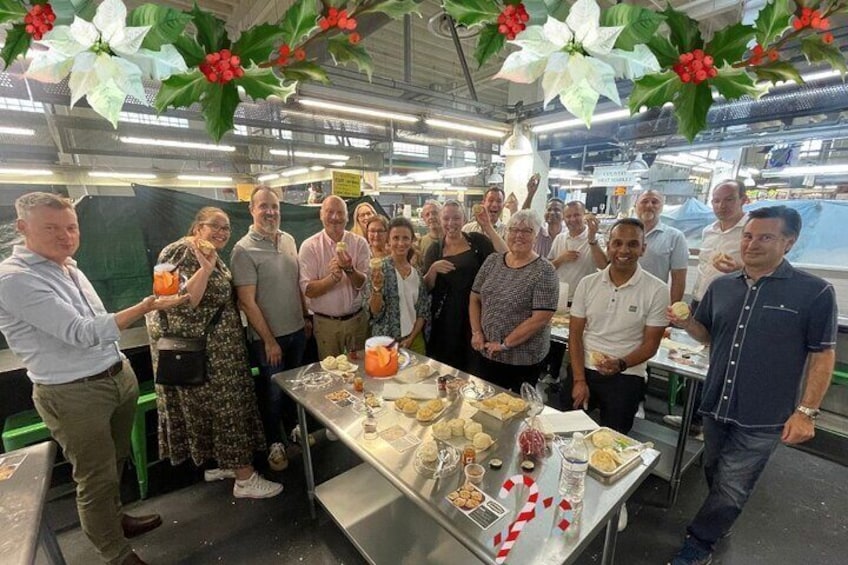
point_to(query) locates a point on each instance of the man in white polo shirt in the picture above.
(577, 252)
(666, 253)
(617, 322)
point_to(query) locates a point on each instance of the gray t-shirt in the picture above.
(273, 269)
(509, 296)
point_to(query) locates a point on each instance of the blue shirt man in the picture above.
(766, 325)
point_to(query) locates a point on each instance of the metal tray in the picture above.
(610, 477)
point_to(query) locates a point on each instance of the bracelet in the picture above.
(622, 365)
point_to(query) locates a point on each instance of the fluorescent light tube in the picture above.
(808, 170)
(338, 164)
(596, 119)
(425, 176)
(294, 172)
(457, 172)
(177, 144)
(310, 155)
(28, 172)
(316, 168)
(358, 110)
(120, 175)
(466, 128)
(266, 178)
(8, 130)
(208, 178)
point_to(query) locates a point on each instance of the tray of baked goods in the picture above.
(424, 411)
(612, 454)
(502, 406)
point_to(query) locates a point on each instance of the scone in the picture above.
(329, 363)
(429, 451)
(457, 426)
(721, 258)
(434, 405)
(680, 310)
(603, 460)
(603, 439)
(472, 429)
(482, 441)
(425, 414)
(596, 357)
(442, 431)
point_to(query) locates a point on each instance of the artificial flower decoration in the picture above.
(577, 59)
(105, 60)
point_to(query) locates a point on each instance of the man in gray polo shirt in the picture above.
(666, 255)
(266, 274)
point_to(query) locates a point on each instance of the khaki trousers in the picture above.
(92, 421)
(336, 336)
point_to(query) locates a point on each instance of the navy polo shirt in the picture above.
(761, 334)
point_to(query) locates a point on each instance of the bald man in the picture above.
(667, 255)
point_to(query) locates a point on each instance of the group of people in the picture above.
(474, 292)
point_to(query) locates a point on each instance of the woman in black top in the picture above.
(450, 266)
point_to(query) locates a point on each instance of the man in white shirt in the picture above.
(493, 203)
(577, 252)
(666, 254)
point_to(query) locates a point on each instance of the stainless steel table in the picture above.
(393, 514)
(23, 526)
(678, 452)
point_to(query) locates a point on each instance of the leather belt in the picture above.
(105, 374)
(339, 318)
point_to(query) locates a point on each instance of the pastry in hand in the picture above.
(680, 310)
(341, 246)
(722, 258)
(596, 357)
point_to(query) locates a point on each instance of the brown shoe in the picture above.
(134, 526)
(133, 559)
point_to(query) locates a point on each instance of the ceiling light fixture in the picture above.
(358, 110)
(465, 128)
(572, 123)
(177, 144)
(457, 172)
(394, 179)
(518, 143)
(9, 130)
(266, 178)
(807, 170)
(316, 168)
(27, 172)
(310, 155)
(421, 176)
(204, 178)
(294, 172)
(120, 175)
(338, 163)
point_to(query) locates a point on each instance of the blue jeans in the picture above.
(734, 458)
(274, 405)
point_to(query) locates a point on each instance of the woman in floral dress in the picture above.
(218, 420)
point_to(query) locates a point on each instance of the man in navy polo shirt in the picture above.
(765, 324)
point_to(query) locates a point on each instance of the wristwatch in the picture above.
(622, 365)
(811, 413)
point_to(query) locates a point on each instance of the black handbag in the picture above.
(182, 360)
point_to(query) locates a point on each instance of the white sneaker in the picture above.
(277, 459)
(295, 436)
(256, 487)
(622, 518)
(331, 436)
(640, 413)
(212, 475)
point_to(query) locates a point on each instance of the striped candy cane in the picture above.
(527, 513)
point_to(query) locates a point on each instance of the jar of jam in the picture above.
(469, 455)
(442, 382)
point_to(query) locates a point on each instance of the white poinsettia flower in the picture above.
(576, 59)
(104, 58)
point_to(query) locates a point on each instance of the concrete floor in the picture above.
(798, 514)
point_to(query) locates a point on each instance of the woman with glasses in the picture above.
(377, 234)
(361, 214)
(513, 299)
(218, 420)
(451, 264)
(398, 300)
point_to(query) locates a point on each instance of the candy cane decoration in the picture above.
(527, 513)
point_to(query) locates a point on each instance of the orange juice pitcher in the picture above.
(381, 356)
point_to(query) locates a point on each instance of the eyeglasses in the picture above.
(520, 231)
(217, 227)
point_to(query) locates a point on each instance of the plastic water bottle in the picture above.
(572, 476)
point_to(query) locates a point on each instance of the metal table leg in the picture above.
(307, 459)
(49, 545)
(682, 436)
(610, 537)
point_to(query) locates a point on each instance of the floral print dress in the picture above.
(220, 419)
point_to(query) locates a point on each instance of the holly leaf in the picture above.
(298, 21)
(344, 52)
(490, 42)
(729, 44)
(65, 10)
(166, 24)
(691, 107)
(735, 83)
(817, 51)
(685, 34)
(653, 90)
(664, 51)
(219, 106)
(211, 33)
(11, 10)
(261, 84)
(640, 24)
(17, 43)
(395, 9)
(471, 12)
(773, 20)
(778, 71)
(256, 44)
(180, 91)
(304, 71)
(193, 54)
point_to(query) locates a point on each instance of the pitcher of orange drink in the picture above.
(166, 279)
(381, 356)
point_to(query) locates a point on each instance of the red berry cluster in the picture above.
(39, 20)
(759, 52)
(221, 67)
(513, 20)
(813, 19)
(286, 52)
(340, 19)
(695, 67)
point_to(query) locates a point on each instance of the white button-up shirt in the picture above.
(572, 272)
(714, 241)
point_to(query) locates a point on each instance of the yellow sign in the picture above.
(620, 191)
(346, 185)
(243, 191)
